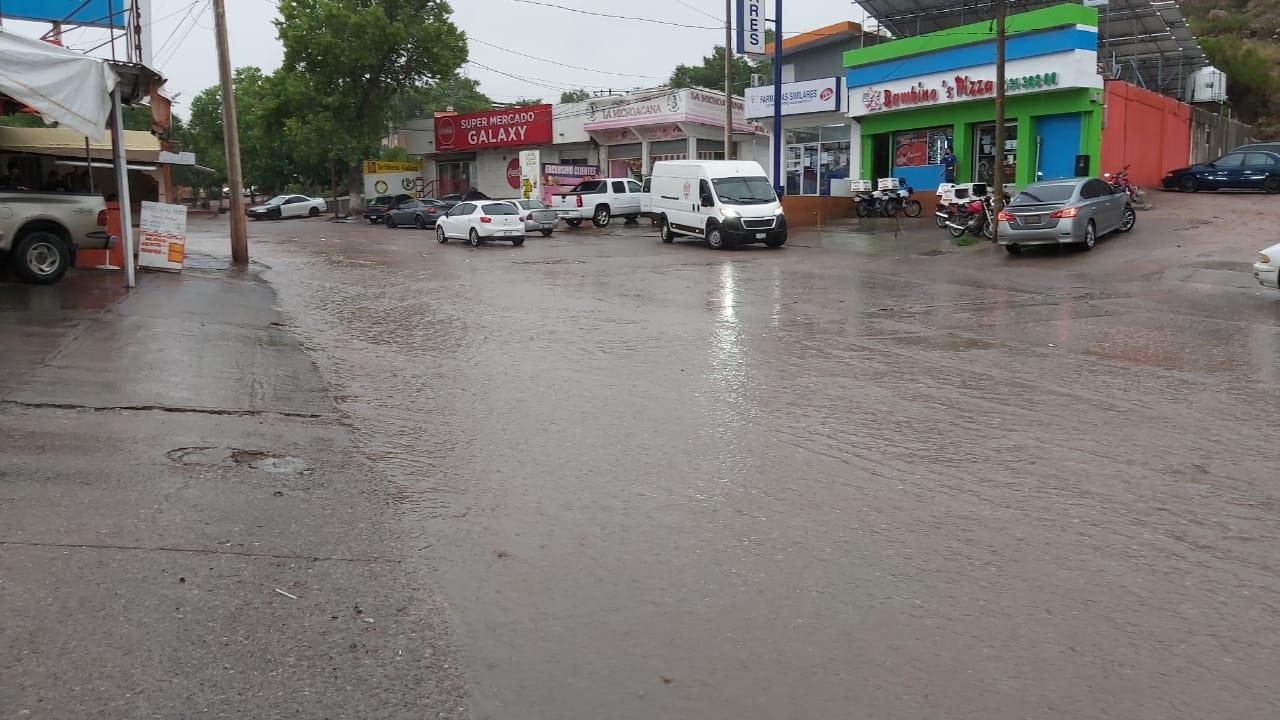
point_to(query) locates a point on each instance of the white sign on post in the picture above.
(163, 241)
(750, 20)
(531, 174)
(808, 96)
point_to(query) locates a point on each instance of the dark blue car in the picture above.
(1245, 170)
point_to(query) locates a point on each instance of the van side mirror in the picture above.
(708, 201)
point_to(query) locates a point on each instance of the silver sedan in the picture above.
(536, 216)
(1059, 212)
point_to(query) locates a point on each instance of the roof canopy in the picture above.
(140, 145)
(1146, 42)
(65, 87)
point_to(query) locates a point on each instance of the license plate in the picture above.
(510, 232)
(1031, 219)
(761, 236)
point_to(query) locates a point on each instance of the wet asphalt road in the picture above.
(862, 476)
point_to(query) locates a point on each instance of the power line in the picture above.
(697, 9)
(557, 62)
(621, 17)
(195, 20)
(176, 28)
(539, 82)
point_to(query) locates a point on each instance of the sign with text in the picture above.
(1073, 69)
(557, 178)
(378, 167)
(750, 23)
(511, 127)
(163, 236)
(671, 106)
(809, 96)
(530, 176)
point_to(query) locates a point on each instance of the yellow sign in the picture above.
(377, 167)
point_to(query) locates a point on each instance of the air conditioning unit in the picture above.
(757, 80)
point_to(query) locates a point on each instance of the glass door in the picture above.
(984, 153)
(809, 177)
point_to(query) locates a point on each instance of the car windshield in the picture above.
(277, 200)
(1048, 193)
(532, 205)
(744, 190)
(499, 209)
(381, 200)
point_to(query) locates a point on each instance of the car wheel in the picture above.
(1090, 235)
(422, 224)
(390, 222)
(601, 217)
(474, 238)
(440, 236)
(1013, 249)
(715, 238)
(776, 242)
(1188, 184)
(1271, 185)
(546, 233)
(664, 231)
(517, 241)
(41, 257)
(313, 212)
(573, 223)
(1130, 219)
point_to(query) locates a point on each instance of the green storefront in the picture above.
(913, 98)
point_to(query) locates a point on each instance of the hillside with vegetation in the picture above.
(1242, 39)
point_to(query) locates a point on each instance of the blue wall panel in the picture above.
(1059, 144)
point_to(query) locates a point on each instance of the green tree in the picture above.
(455, 91)
(523, 101)
(710, 73)
(344, 61)
(573, 96)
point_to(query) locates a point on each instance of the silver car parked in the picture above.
(536, 216)
(1059, 212)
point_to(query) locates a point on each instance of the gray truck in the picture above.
(40, 232)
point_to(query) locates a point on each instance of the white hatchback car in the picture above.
(1267, 270)
(481, 220)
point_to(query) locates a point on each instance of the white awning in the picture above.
(66, 87)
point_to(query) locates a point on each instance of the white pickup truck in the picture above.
(41, 231)
(600, 200)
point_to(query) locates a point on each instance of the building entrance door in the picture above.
(984, 153)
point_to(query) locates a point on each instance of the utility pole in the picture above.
(779, 182)
(999, 168)
(231, 138)
(728, 79)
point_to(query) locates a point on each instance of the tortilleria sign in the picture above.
(511, 127)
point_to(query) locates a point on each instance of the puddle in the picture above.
(237, 457)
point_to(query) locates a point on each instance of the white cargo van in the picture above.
(727, 203)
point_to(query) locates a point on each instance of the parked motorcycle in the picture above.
(900, 201)
(975, 217)
(865, 204)
(1120, 181)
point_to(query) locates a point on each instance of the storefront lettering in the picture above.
(1032, 82)
(970, 87)
(495, 128)
(918, 95)
(626, 111)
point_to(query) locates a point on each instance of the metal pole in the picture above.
(231, 138)
(88, 162)
(999, 167)
(777, 98)
(122, 185)
(728, 79)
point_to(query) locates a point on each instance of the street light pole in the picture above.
(778, 183)
(728, 79)
(999, 167)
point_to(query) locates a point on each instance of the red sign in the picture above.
(495, 128)
(513, 173)
(826, 94)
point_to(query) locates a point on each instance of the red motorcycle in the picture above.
(1120, 181)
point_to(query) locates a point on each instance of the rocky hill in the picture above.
(1242, 39)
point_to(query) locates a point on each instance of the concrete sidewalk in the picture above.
(186, 529)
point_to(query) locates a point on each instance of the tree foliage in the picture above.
(455, 91)
(573, 96)
(710, 73)
(345, 62)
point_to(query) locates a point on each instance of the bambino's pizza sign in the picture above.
(511, 127)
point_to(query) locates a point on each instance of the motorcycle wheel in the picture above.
(913, 208)
(987, 232)
(862, 209)
(957, 232)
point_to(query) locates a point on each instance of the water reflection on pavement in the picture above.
(861, 476)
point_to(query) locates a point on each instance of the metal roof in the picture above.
(1146, 42)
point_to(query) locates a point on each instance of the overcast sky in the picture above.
(640, 53)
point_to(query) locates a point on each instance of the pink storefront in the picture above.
(646, 126)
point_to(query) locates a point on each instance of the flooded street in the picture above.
(866, 475)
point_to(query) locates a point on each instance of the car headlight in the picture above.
(778, 211)
(728, 212)
(1264, 258)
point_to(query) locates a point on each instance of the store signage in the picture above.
(528, 179)
(1047, 72)
(513, 173)
(570, 171)
(808, 96)
(750, 24)
(377, 167)
(164, 236)
(687, 105)
(495, 128)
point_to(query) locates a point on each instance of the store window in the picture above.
(815, 158)
(984, 153)
(455, 177)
